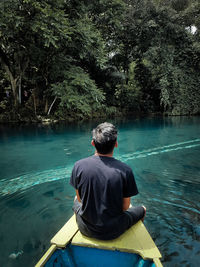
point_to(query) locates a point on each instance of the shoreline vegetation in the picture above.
(6, 118)
(46, 120)
(80, 60)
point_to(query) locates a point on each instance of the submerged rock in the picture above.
(14, 255)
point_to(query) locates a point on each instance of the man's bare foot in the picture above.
(144, 213)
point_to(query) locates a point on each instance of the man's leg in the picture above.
(135, 214)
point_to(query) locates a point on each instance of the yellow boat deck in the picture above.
(135, 240)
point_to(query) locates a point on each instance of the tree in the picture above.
(77, 94)
(129, 93)
(166, 58)
(25, 25)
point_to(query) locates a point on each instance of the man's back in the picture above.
(102, 183)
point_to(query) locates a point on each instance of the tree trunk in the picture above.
(13, 82)
(34, 102)
(46, 106)
(20, 90)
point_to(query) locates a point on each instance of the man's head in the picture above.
(104, 138)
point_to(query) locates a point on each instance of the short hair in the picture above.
(104, 137)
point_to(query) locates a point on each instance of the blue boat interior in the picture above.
(73, 256)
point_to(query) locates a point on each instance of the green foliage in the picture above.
(128, 93)
(179, 93)
(49, 21)
(86, 58)
(27, 28)
(3, 104)
(166, 56)
(78, 94)
(87, 42)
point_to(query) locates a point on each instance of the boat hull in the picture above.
(70, 248)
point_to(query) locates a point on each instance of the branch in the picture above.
(51, 105)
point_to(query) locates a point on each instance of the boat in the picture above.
(69, 248)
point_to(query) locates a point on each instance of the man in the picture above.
(104, 187)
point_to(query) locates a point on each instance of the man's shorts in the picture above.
(124, 222)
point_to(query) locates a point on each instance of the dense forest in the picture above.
(75, 59)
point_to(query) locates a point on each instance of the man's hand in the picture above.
(144, 213)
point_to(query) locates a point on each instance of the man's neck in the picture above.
(103, 155)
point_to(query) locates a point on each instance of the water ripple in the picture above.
(185, 206)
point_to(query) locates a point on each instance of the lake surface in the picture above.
(36, 198)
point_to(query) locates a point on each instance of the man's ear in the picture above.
(116, 144)
(92, 143)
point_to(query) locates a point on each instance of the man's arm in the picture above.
(78, 196)
(126, 203)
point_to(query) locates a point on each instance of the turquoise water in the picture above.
(36, 199)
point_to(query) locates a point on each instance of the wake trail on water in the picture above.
(160, 150)
(29, 180)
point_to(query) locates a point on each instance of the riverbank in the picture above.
(15, 117)
(22, 116)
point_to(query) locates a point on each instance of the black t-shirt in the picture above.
(102, 183)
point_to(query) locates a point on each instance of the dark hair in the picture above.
(104, 137)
